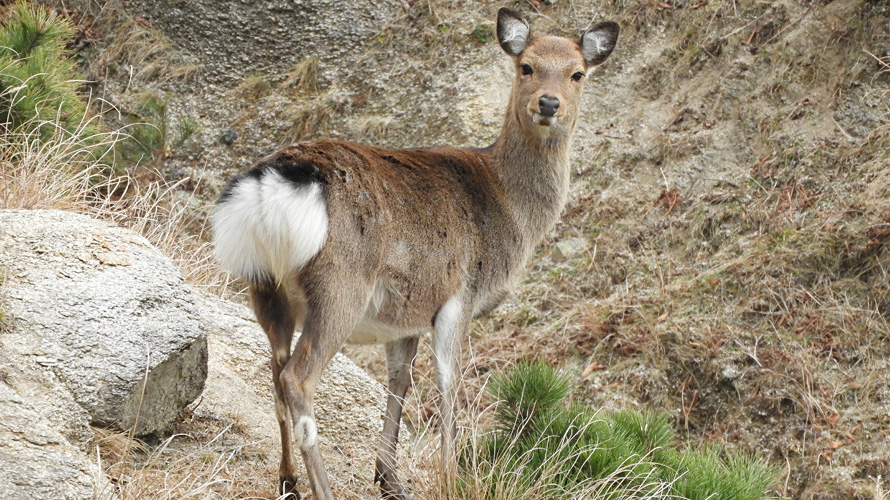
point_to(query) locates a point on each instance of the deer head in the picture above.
(550, 72)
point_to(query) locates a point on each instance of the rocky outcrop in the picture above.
(36, 460)
(92, 311)
(262, 34)
(106, 313)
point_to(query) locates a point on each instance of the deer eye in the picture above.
(578, 76)
(526, 69)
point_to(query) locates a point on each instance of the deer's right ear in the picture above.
(513, 31)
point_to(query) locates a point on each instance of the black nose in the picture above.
(548, 104)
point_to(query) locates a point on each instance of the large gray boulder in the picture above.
(105, 314)
(89, 307)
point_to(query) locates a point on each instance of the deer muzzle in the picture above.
(548, 105)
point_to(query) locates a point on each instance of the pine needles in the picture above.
(151, 136)
(38, 81)
(543, 448)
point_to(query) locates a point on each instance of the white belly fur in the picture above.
(370, 331)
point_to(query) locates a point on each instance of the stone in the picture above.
(263, 35)
(568, 248)
(104, 315)
(227, 136)
(84, 302)
(37, 461)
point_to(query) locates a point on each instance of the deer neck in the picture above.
(533, 166)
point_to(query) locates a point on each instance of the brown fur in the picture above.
(446, 205)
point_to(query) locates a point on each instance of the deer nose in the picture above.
(548, 105)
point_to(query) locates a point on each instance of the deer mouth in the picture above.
(543, 120)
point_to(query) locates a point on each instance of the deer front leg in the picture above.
(399, 361)
(450, 324)
(276, 316)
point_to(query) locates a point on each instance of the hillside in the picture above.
(731, 191)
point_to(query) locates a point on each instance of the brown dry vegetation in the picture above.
(731, 183)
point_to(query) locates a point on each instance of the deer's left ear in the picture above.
(598, 41)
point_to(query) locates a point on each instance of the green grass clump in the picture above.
(150, 136)
(53, 152)
(542, 447)
(38, 79)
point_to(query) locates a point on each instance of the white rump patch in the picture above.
(305, 433)
(269, 227)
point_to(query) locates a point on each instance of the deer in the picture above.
(355, 243)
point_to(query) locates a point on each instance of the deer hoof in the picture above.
(395, 495)
(287, 488)
(391, 488)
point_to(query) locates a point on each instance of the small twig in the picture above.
(787, 476)
(749, 354)
(687, 409)
(882, 62)
(674, 120)
(848, 136)
(787, 26)
(738, 30)
(754, 33)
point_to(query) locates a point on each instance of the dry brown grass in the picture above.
(173, 220)
(58, 172)
(211, 460)
(133, 50)
(754, 310)
(303, 78)
(748, 305)
(63, 172)
(215, 458)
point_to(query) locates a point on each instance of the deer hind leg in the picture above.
(449, 327)
(399, 360)
(331, 314)
(276, 316)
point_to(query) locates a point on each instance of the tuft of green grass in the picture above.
(556, 450)
(480, 33)
(527, 390)
(150, 136)
(713, 473)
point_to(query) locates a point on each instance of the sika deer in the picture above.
(362, 244)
